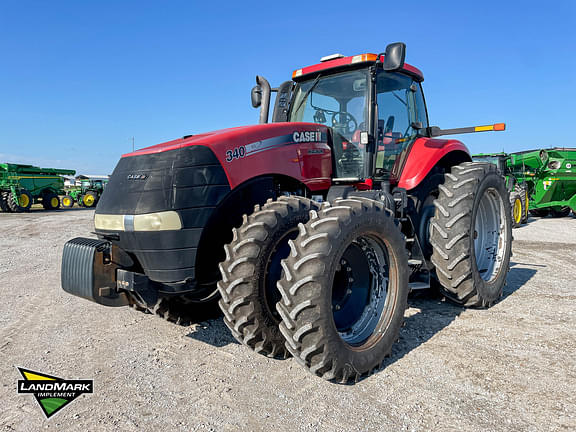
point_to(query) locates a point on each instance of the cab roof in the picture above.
(345, 62)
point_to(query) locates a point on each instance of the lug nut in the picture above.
(337, 307)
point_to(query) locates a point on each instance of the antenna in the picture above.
(132, 144)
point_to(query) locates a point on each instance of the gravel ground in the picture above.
(509, 368)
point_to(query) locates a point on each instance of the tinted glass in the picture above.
(337, 101)
(396, 97)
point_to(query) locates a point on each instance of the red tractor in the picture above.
(309, 231)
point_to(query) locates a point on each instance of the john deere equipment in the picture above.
(87, 193)
(550, 175)
(234, 215)
(21, 186)
(517, 188)
(540, 181)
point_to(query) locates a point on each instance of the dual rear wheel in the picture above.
(50, 201)
(16, 203)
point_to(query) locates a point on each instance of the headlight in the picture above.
(109, 222)
(554, 165)
(163, 221)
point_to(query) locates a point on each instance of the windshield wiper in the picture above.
(308, 92)
(399, 98)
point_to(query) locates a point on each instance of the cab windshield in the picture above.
(339, 102)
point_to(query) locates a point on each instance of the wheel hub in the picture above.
(359, 290)
(490, 239)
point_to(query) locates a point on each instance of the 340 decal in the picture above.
(237, 153)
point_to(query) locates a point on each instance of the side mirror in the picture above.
(394, 56)
(256, 96)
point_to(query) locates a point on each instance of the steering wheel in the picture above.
(344, 121)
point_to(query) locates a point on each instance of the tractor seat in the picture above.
(388, 139)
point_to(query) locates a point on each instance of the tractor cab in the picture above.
(373, 105)
(373, 114)
(498, 159)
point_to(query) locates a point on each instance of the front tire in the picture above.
(4, 202)
(183, 309)
(344, 290)
(516, 208)
(67, 202)
(21, 203)
(471, 234)
(252, 268)
(522, 189)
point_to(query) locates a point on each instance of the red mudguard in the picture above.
(424, 155)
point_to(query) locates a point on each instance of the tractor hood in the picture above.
(242, 135)
(184, 172)
(205, 138)
(289, 149)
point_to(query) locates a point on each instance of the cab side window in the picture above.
(420, 105)
(394, 106)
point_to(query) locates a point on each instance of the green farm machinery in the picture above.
(541, 182)
(86, 193)
(21, 186)
(550, 175)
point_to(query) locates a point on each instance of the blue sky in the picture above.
(79, 79)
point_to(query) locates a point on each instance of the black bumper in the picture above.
(190, 181)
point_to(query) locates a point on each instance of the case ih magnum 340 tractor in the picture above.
(233, 216)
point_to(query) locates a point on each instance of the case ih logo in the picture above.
(307, 136)
(52, 393)
(137, 176)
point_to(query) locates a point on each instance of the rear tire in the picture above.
(344, 290)
(423, 197)
(471, 234)
(89, 199)
(560, 213)
(252, 268)
(50, 201)
(540, 212)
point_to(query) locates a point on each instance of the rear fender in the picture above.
(426, 153)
